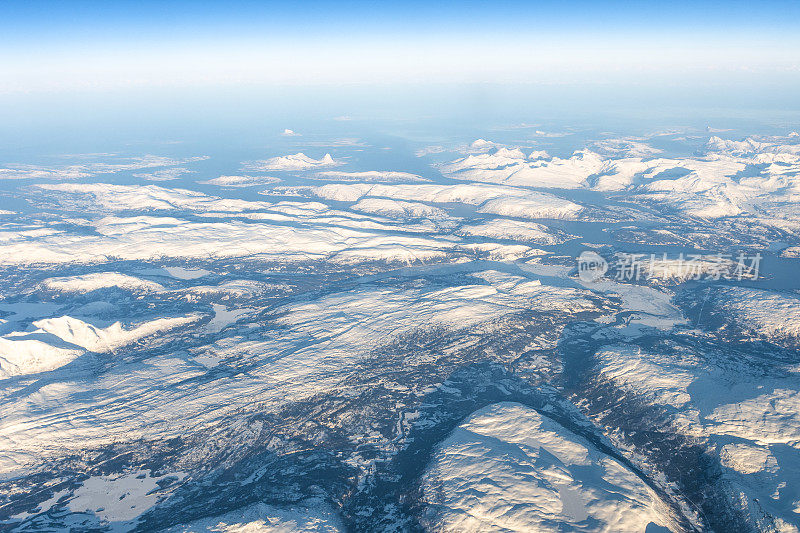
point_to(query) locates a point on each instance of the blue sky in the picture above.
(55, 21)
(90, 45)
(89, 70)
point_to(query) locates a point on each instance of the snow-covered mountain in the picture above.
(405, 342)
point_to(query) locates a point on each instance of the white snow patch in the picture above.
(298, 161)
(399, 209)
(241, 181)
(748, 459)
(115, 198)
(91, 168)
(117, 498)
(768, 418)
(534, 205)
(186, 273)
(100, 280)
(224, 317)
(236, 289)
(504, 252)
(768, 313)
(513, 230)
(662, 382)
(151, 238)
(369, 176)
(512, 167)
(507, 468)
(508, 201)
(20, 355)
(313, 516)
(165, 174)
(108, 339)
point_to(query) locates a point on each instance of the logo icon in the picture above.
(591, 266)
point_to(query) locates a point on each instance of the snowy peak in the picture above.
(298, 161)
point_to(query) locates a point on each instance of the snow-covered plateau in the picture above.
(366, 336)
